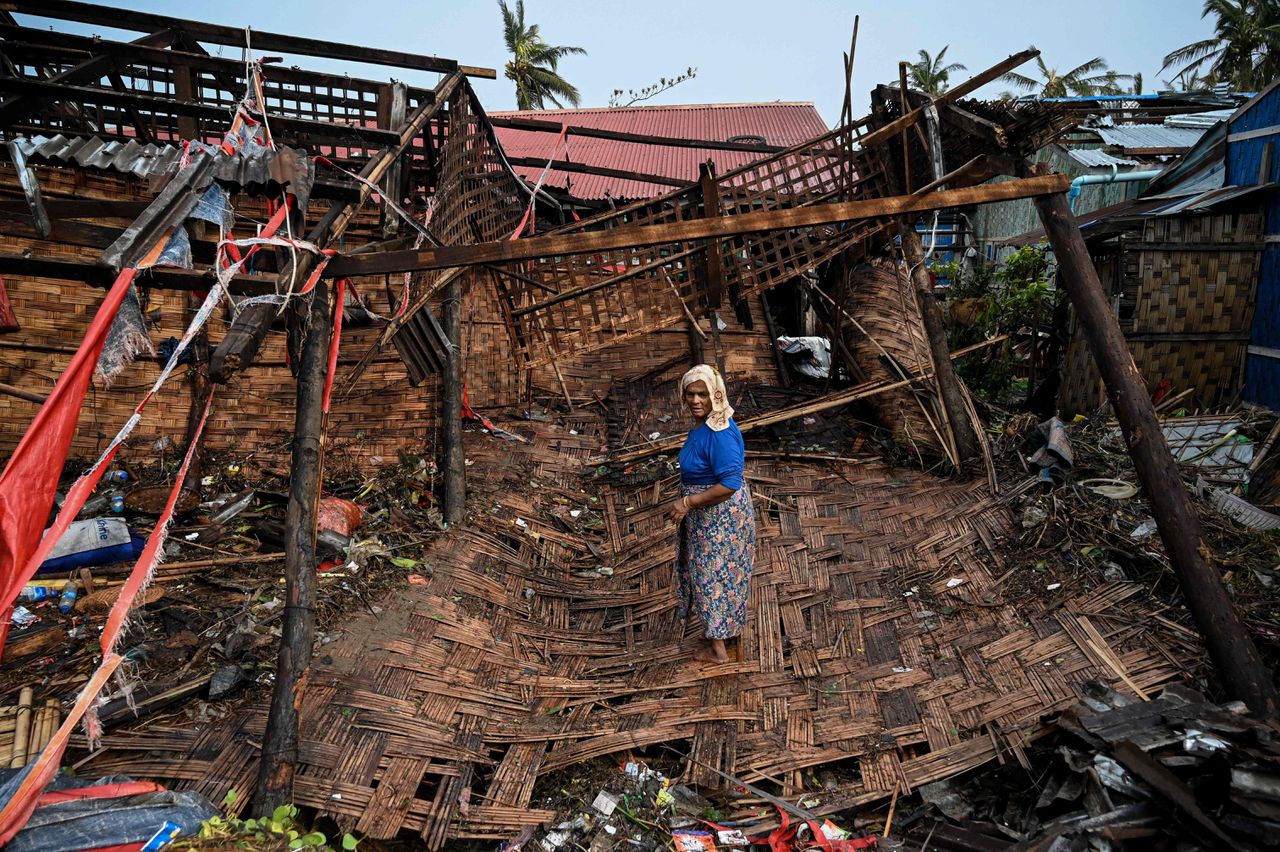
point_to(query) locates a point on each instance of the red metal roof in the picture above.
(781, 124)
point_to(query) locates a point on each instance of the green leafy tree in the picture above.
(1088, 78)
(534, 64)
(1244, 51)
(930, 74)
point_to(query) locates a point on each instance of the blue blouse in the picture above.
(710, 458)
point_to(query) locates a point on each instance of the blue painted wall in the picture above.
(1244, 160)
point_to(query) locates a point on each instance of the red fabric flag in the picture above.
(30, 480)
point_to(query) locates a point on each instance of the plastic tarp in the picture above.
(95, 823)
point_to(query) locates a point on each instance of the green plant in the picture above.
(280, 831)
(1014, 296)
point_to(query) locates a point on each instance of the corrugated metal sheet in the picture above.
(260, 169)
(778, 123)
(1098, 159)
(1150, 136)
(1203, 120)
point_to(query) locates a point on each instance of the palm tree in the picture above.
(929, 75)
(1089, 78)
(533, 65)
(1112, 84)
(1244, 51)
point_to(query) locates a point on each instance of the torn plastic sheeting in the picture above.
(177, 251)
(94, 823)
(214, 207)
(126, 339)
(816, 352)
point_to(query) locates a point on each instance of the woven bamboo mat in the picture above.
(879, 639)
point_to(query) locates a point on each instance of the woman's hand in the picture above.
(677, 510)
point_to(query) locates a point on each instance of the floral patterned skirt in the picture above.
(717, 546)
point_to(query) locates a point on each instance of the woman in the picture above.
(715, 519)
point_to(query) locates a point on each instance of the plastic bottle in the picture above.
(35, 594)
(117, 476)
(117, 503)
(68, 601)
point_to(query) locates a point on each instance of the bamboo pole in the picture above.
(23, 730)
(1235, 659)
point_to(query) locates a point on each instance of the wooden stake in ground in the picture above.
(280, 745)
(931, 313)
(453, 461)
(1235, 659)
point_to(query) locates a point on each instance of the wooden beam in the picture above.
(183, 52)
(1236, 661)
(237, 351)
(442, 257)
(31, 191)
(163, 277)
(825, 403)
(603, 171)
(540, 126)
(715, 262)
(90, 70)
(125, 19)
(316, 130)
(975, 125)
(950, 394)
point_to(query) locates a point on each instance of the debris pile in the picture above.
(1177, 771)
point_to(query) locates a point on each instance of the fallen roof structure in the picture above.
(510, 663)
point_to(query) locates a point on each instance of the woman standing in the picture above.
(715, 519)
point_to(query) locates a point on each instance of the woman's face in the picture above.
(698, 398)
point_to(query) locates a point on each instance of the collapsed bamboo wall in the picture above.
(381, 415)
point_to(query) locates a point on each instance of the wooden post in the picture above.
(280, 745)
(398, 95)
(453, 462)
(695, 344)
(1235, 659)
(198, 382)
(711, 210)
(783, 378)
(949, 390)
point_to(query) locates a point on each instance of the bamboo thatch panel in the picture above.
(884, 301)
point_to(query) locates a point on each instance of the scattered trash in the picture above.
(1143, 530)
(99, 541)
(693, 841)
(605, 802)
(1115, 489)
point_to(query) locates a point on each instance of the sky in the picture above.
(744, 50)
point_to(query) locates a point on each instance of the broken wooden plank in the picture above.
(442, 257)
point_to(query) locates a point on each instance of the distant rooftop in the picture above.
(779, 124)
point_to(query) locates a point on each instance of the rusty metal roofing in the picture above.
(255, 171)
(780, 123)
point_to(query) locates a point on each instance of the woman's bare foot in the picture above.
(713, 651)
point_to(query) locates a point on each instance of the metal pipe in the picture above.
(1114, 177)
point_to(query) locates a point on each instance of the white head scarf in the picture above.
(721, 411)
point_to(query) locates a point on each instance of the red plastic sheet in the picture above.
(30, 480)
